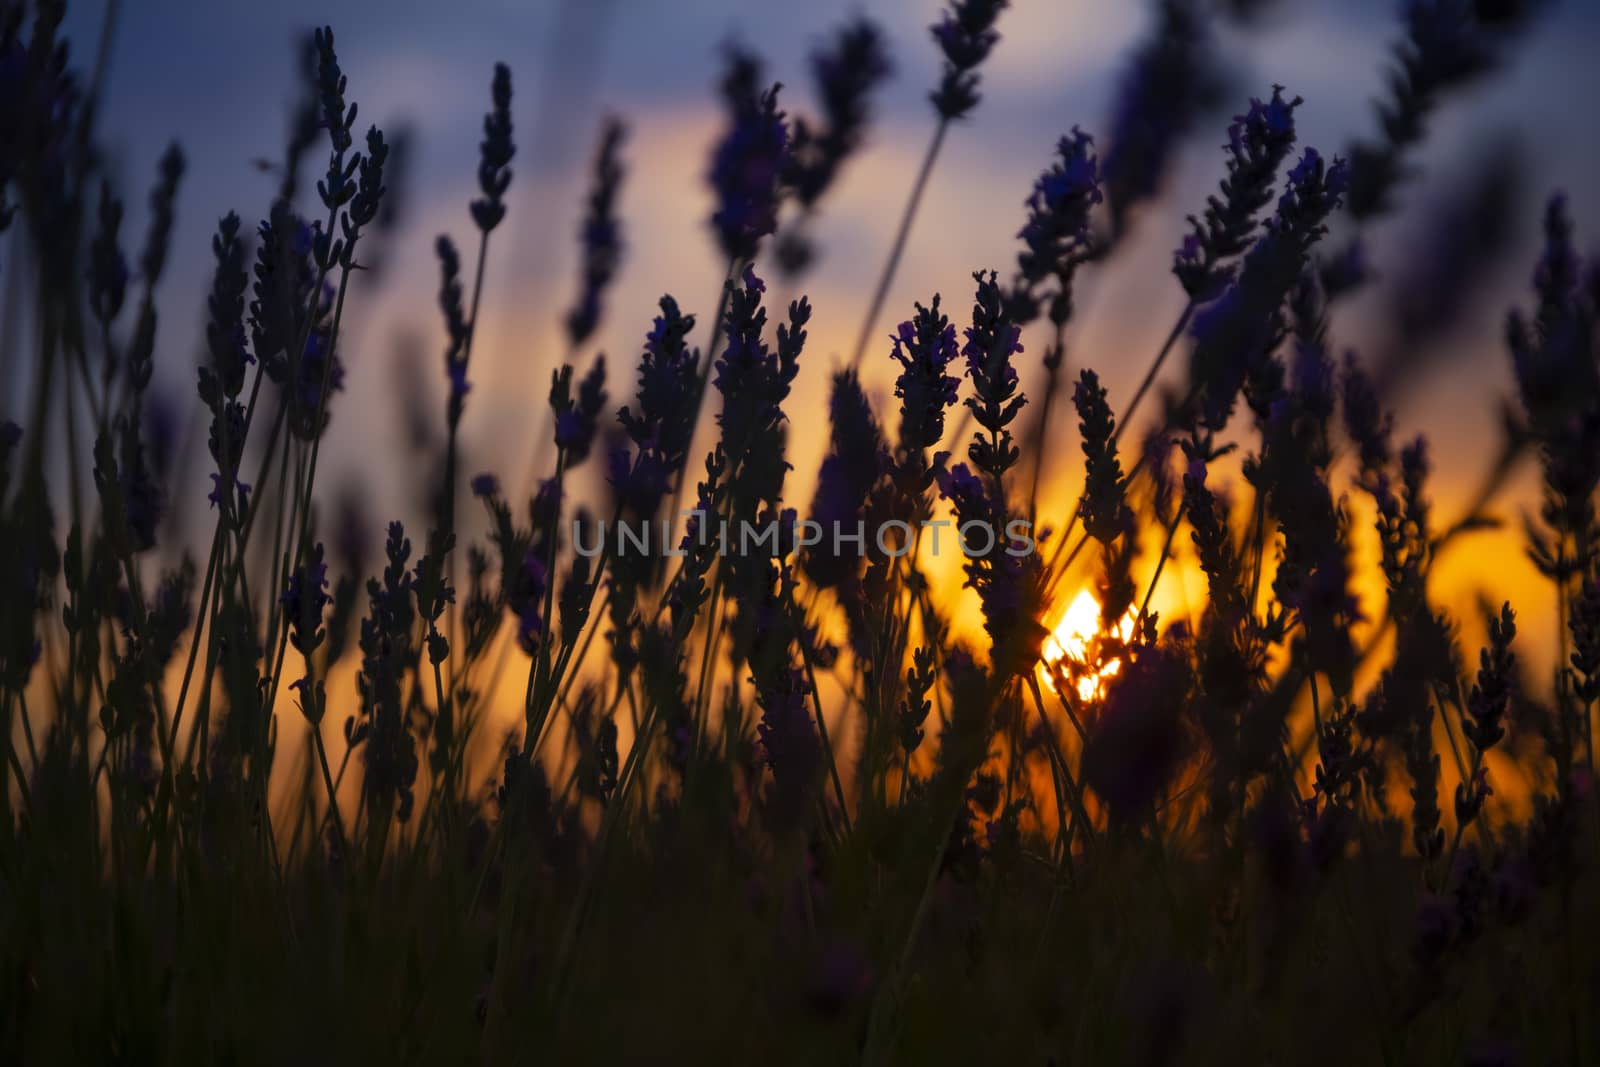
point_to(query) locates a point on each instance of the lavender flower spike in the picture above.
(746, 169)
(966, 34)
(600, 235)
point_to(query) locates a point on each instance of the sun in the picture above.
(1070, 641)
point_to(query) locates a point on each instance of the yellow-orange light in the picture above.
(1070, 639)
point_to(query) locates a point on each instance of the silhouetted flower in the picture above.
(368, 198)
(331, 85)
(225, 336)
(495, 153)
(848, 473)
(660, 423)
(578, 419)
(599, 235)
(924, 346)
(1213, 545)
(1104, 515)
(1491, 693)
(1258, 142)
(387, 653)
(129, 492)
(746, 169)
(965, 33)
(754, 380)
(992, 340)
(304, 597)
(1584, 624)
(1236, 334)
(845, 71)
(1056, 239)
(457, 329)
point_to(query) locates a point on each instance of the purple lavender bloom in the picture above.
(1258, 142)
(577, 419)
(430, 583)
(964, 490)
(225, 336)
(229, 494)
(965, 34)
(845, 72)
(387, 653)
(924, 346)
(992, 340)
(318, 374)
(1056, 237)
(1105, 516)
(226, 444)
(1236, 334)
(331, 84)
(754, 379)
(456, 372)
(846, 477)
(485, 485)
(285, 277)
(1583, 621)
(1490, 696)
(599, 235)
(304, 597)
(458, 331)
(660, 423)
(746, 168)
(495, 154)
(368, 197)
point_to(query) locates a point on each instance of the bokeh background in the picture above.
(219, 78)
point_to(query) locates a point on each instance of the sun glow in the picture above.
(1067, 650)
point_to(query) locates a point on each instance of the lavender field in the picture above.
(945, 531)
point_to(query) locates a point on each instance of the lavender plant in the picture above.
(765, 782)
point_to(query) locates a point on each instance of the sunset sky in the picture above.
(218, 78)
